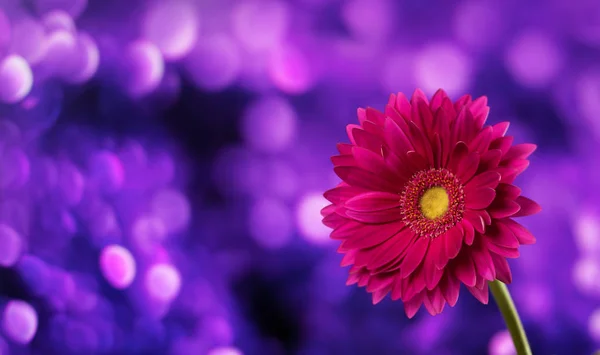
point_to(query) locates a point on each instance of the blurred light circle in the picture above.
(58, 20)
(11, 246)
(214, 63)
(308, 218)
(104, 225)
(260, 24)
(290, 70)
(10, 134)
(478, 24)
(172, 26)
(15, 168)
(28, 40)
(35, 273)
(443, 65)
(586, 275)
(106, 169)
(534, 59)
(225, 351)
(148, 232)
(586, 93)
(163, 168)
(61, 48)
(117, 266)
(87, 59)
(80, 337)
(72, 7)
(587, 234)
(219, 329)
(163, 282)
(71, 183)
(16, 79)
(594, 325)
(173, 208)
(20, 321)
(502, 344)
(144, 68)
(271, 223)
(369, 20)
(5, 32)
(281, 179)
(269, 124)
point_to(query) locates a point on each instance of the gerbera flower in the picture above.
(427, 200)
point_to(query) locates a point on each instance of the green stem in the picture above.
(511, 317)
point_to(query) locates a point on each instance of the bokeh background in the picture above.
(162, 164)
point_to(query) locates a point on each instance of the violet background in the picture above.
(162, 164)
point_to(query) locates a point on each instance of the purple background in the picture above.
(162, 164)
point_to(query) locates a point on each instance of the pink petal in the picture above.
(503, 144)
(358, 177)
(342, 193)
(396, 139)
(528, 207)
(475, 220)
(462, 102)
(489, 179)
(468, 167)
(501, 235)
(511, 253)
(500, 129)
(523, 235)
(343, 160)
(469, 232)
(329, 209)
(520, 151)
(397, 289)
(459, 153)
(502, 208)
(365, 139)
(375, 116)
(481, 295)
(344, 148)
(391, 249)
(437, 99)
(414, 256)
(464, 270)
(422, 116)
(450, 287)
(480, 198)
(414, 284)
(411, 307)
(508, 191)
(333, 220)
(379, 295)
(421, 143)
(483, 262)
(403, 105)
(482, 141)
(490, 160)
(418, 95)
(362, 115)
(433, 274)
(378, 282)
(367, 236)
(348, 258)
(373, 201)
(437, 300)
(480, 111)
(503, 272)
(375, 217)
(453, 241)
(437, 252)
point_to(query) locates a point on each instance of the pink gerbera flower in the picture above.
(427, 200)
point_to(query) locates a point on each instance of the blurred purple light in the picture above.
(271, 223)
(396, 73)
(104, 225)
(15, 168)
(290, 70)
(16, 79)
(214, 63)
(72, 7)
(61, 49)
(35, 273)
(172, 26)
(162, 282)
(260, 25)
(147, 233)
(269, 124)
(443, 65)
(502, 344)
(237, 171)
(80, 337)
(308, 219)
(117, 266)
(587, 90)
(58, 20)
(586, 275)
(11, 246)
(594, 325)
(19, 321)
(144, 68)
(534, 59)
(5, 32)
(71, 183)
(225, 351)
(173, 208)
(28, 40)
(86, 61)
(587, 233)
(106, 169)
(478, 24)
(369, 20)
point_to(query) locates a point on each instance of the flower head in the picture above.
(427, 200)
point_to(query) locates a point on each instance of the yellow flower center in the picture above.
(434, 202)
